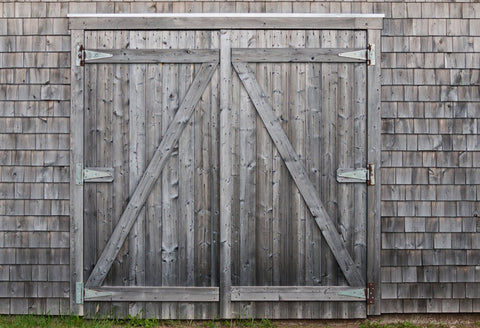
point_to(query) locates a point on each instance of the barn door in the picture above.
(300, 173)
(225, 173)
(150, 181)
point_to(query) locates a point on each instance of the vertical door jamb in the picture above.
(226, 183)
(76, 170)
(373, 157)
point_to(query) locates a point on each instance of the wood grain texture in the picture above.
(151, 174)
(257, 21)
(226, 187)
(298, 173)
(76, 156)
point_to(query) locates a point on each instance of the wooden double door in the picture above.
(224, 173)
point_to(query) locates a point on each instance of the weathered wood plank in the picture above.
(150, 56)
(154, 108)
(103, 141)
(299, 175)
(76, 156)
(224, 21)
(170, 178)
(226, 186)
(296, 132)
(151, 174)
(153, 294)
(137, 161)
(186, 196)
(120, 130)
(360, 160)
(294, 55)
(297, 293)
(374, 157)
(248, 167)
(313, 158)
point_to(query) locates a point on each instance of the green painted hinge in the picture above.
(79, 293)
(101, 174)
(82, 294)
(357, 175)
(357, 293)
(367, 294)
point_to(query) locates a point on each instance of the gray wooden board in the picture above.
(297, 293)
(172, 22)
(76, 156)
(294, 55)
(298, 173)
(144, 56)
(149, 177)
(153, 294)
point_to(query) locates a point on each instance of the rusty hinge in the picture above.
(370, 54)
(370, 293)
(80, 60)
(371, 175)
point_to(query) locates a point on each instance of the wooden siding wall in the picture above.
(430, 156)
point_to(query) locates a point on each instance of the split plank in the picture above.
(151, 174)
(153, 56)
(153, 294)
(294, 55)
(296, 293)
(304, 185)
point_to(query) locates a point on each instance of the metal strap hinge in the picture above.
(84, 55)
(357, 175)
(368, 54)
(82, 293)
(98, 175)
(79, 293)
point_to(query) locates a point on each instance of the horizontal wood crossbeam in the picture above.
(151, 175)
(293, 55)
(297, 293)
(299, 175)
(224, 21)
(153, 294)
(148, 56)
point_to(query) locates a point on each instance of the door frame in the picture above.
(371, 23)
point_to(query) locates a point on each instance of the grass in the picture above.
(26, 321)
(40, 321)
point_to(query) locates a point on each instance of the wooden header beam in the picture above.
(224, 21)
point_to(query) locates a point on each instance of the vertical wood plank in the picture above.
(226, 190)
(153, 224)
(186, 161)
(248, 180)
(91, 251)
(103, 142)
(137, 165)
(328, 190)
(170, 181)
(373, 156)
(76, 156)
(120, 130)
(313, 156)
(214, 201)
(360, 160)
(344, 148)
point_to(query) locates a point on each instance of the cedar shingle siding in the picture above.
(430, 148)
